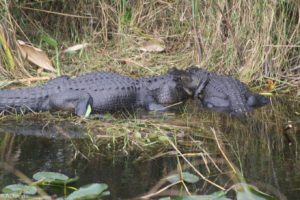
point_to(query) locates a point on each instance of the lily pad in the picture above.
(186, 176)
(19, 189)
(10, 196)
(51, 177)
(90, 191)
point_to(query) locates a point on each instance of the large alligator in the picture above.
(219, 92)
(103, 91)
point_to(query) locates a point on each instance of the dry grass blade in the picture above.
(160, 191)
(197, 38)
(28, 80)
(150, 46)
(224, 155)
(57, 13)
(75, 47)
(238, 48)
(192, 166)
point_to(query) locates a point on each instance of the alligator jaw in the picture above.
(188, 91)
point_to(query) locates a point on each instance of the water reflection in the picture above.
(260, 145)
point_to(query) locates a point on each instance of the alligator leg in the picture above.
(212, 102)
(77, 101)
(257, 100)
(157, 107)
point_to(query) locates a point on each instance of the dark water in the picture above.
(260, 145)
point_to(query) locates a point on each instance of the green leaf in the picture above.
(10, 196)
(19, 189)
(90, 191)
(246, 192)
(186, 176)
(49, 40)
(138, 135)
(163, 138)
(51, 177)
(88, 111)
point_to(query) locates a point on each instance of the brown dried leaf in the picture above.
(36, 56)
(152, 46)
(76, 47)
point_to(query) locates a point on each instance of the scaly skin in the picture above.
(219, 93)
(104, 91)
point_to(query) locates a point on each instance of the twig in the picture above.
(207, 154)
(159, 191)
(282, 45)
(186, 189)
(23, 80)
(192, 166)
(57, 13)
(224, 155)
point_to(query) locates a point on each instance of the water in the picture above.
(260, 145)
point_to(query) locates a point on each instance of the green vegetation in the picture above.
(256, 41)
(209, 147)
(57, 180)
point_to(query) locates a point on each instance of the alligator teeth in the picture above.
(188, 91)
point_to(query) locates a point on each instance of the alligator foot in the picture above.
(157, 108)
(99, 116)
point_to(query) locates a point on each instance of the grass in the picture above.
(249, 39)
(255, 41)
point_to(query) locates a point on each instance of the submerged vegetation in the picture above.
(255, 41)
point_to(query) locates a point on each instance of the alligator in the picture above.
(102, 91)
(220, 93)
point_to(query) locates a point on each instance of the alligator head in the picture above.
(191, 81)
(257, 100)
(218, 92)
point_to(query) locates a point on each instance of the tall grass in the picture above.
(251, 39)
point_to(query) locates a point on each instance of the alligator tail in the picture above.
(23, 100)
